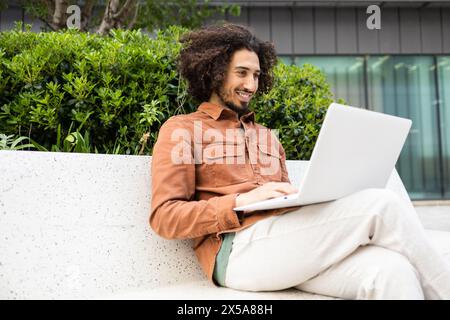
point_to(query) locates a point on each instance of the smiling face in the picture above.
(241, 82)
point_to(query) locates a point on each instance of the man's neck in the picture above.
(215, 99)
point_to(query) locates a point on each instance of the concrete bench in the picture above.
(75, 226)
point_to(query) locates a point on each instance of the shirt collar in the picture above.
(215, 111)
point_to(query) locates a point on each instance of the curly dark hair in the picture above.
(206, 53)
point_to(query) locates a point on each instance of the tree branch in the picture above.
(107, 21)
(48, 24)
(114, 18)
(133, 21)
(124, 11)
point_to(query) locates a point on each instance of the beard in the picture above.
(240, 110)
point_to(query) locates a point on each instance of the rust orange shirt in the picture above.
(201, 162)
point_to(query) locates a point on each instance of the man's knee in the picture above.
(381, 194)
(378, 199)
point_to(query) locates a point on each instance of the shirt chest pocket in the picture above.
(269, 162)
(225, 163)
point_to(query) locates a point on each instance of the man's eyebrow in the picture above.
(246, 68)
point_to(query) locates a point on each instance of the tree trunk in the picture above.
(108, 21)
(59, 16)
(135, 16)
(113, 17)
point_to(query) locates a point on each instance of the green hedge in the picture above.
(80, 92)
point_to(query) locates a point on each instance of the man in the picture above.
(368, 245)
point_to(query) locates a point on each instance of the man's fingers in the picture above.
(285, 188)
(275, 194)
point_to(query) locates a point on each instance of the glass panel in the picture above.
(344, 74)
(405, 86)
(444, 95)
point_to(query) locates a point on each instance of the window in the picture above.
(444, 97)
(408, 86)
(345, 76)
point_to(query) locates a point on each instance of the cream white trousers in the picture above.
(368, 245)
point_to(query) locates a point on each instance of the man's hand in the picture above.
(267, 191)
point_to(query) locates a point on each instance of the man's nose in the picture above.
(251, 84)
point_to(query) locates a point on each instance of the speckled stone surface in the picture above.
(75, 226)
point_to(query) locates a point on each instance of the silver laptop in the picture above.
(356, 149)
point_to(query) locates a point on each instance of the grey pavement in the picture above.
(434, 217)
